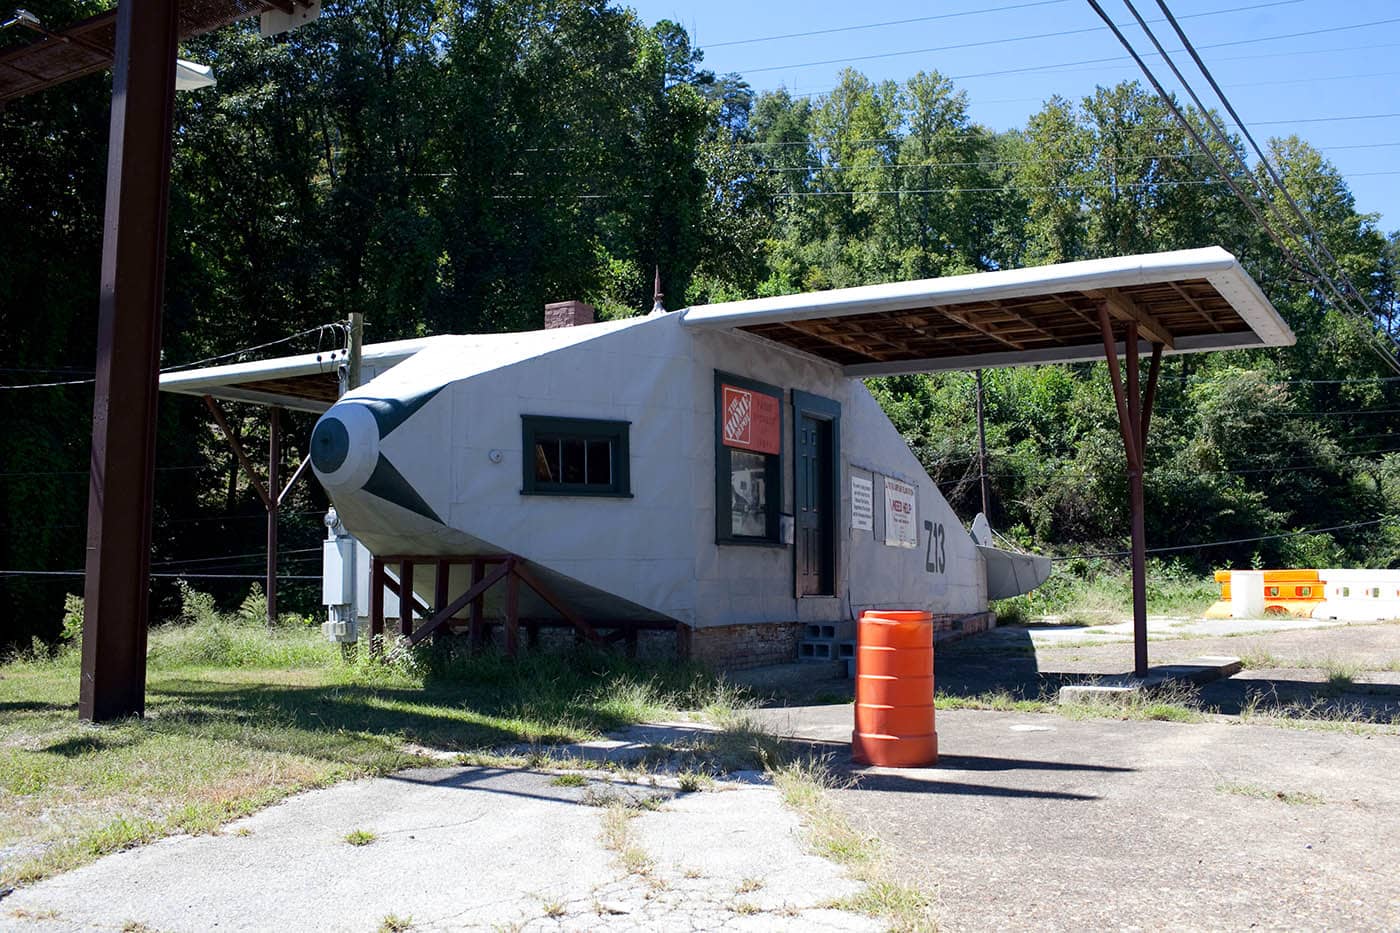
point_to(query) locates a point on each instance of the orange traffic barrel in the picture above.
(894, 690)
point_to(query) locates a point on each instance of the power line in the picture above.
(1317, 239)
(1289, 255)
(183, 366)
(1208, 544)
(1068, 188)
(1125, 62)
(171, 576)
(1062, 34)
(891, 22)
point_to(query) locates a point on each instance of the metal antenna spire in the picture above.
(658, 306)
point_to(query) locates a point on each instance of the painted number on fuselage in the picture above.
(937, 560)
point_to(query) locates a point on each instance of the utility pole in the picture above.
(982, 453)
(357, 339)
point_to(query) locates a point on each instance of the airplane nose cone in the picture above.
(345, 446)
(330, 444)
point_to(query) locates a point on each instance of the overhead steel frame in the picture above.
(272, 497)
(121, 488)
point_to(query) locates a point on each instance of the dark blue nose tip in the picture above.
(330, 445)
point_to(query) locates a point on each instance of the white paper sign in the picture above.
(862, 504)
(901, 522)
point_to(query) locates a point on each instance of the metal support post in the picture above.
(274, 463)
(121, 488)
(1134, 415)
(982, 453)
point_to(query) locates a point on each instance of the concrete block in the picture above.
(1100, 693)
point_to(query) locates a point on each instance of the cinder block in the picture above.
(1099, 693)
(816, 650)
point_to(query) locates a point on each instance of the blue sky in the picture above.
(1300, 84)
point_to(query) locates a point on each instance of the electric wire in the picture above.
(1167, 100)
(1263, 158)
(1068, 32)
(320, 328)
(1210, 544)
(895, 22)
(1343, 300)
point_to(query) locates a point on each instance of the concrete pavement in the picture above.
(1037, 822)
(462, 849)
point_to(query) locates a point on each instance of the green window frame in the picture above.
(575, 457)
(767, 468)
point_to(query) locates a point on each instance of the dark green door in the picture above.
(816, 514)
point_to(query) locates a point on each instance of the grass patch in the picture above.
(996, 700)
(1169, 703)
(239, 716)
(617, 837)
(805, 786)
(1263, 793)
(1088, 592)
(569, 780)
(393, 923)
(360, 837)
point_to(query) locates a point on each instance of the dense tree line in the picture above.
(451, 166)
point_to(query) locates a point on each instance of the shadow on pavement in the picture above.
(935, 784)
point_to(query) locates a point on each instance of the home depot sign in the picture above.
(752, 420)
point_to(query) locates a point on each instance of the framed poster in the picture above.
(901, 519)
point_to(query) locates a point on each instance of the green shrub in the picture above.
(72, 618)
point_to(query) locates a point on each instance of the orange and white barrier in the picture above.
(1344, 595)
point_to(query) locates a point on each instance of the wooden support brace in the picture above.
(441, 616)
(512, 614)
(559, 606)
(406, 604)
(376, 602)
(440, 580)
(478, 628)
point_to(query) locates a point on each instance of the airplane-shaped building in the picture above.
(719, 472)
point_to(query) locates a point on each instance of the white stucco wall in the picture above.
(655, 552)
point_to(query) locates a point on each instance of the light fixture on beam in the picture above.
(191, 76)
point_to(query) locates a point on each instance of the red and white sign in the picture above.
(752, 420)
(901, 517)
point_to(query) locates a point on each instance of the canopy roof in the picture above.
(309, 382)
(1190, 301)
(88, 46)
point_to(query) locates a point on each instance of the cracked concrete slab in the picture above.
(1037, 822)
(458, 849)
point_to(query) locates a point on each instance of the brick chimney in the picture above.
(567, 314)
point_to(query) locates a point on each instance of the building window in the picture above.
(748, 460)
(575, 457)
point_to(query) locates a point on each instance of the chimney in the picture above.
(567, 314)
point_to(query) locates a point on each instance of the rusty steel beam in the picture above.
(274, 462)
(1133, 415)
(121, 489)
(1122, 306)
(238, 452)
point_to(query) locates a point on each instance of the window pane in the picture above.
(572, 459)
(748, 477)
(547, 460)
(600, 463)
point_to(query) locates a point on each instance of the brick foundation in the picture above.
(735, 647)
(952, 627)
